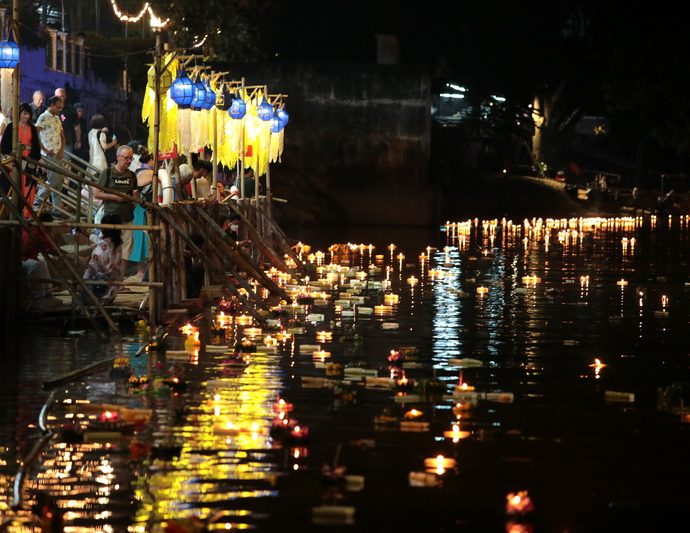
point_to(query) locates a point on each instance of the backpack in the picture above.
(110, 153)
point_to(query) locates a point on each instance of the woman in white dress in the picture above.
(98, 142)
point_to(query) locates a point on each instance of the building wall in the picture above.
(361, 133)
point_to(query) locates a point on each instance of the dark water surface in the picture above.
(596, 449)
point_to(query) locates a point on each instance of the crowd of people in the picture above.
(56, 129)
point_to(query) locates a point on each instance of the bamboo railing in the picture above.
(239, 271)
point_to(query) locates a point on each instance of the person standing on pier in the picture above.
(123, 180)
(37, 107)
(52, 140)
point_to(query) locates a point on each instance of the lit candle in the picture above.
(108, 416)
(252, 332)
(439, 464)
(518, 503)
(455, 434)
(243, 320)
(390, 298)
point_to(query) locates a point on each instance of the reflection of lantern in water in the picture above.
(401, 258)
(412, 281)
(481, 291)
(413, 414)
(622, 283)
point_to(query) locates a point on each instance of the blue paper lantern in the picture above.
(9, 53)
(238, 108)
(210, 99)
(182, 89)
(199, 95)
(265, 110)
(276, 124)
(283, 116)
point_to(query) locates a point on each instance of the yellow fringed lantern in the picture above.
(166, 79)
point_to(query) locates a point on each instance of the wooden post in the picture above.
(154, 239)
(15, 240)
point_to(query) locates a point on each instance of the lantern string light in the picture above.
(155, 21)
(129, 18)
(200, 43)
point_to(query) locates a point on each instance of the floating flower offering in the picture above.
(321, 354)
(413, 414)
(188, 329)
(439, 464)
(518, 503)
(281, 406)
(243, 320)
(223, 320)
(456, 434)
(390, 299)
(324, 336)
(252, 332)
(463, 387)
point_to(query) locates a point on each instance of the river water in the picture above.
(498, 327)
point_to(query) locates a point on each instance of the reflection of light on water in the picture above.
(244, 403)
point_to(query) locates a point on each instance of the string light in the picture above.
(155, 21)
(129, 18)
(200, 43)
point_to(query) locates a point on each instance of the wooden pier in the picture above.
(180, 234)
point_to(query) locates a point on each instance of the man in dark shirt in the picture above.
(120, 178)
(70, 123)
(82, 151)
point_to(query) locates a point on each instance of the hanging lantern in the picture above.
(265, 110)
(9, 53)
(210, 98)
(182, 89)
(276, 124)
(165, 81)
(199, 95)
(283, 116)
(224, 99)
(238, 108)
